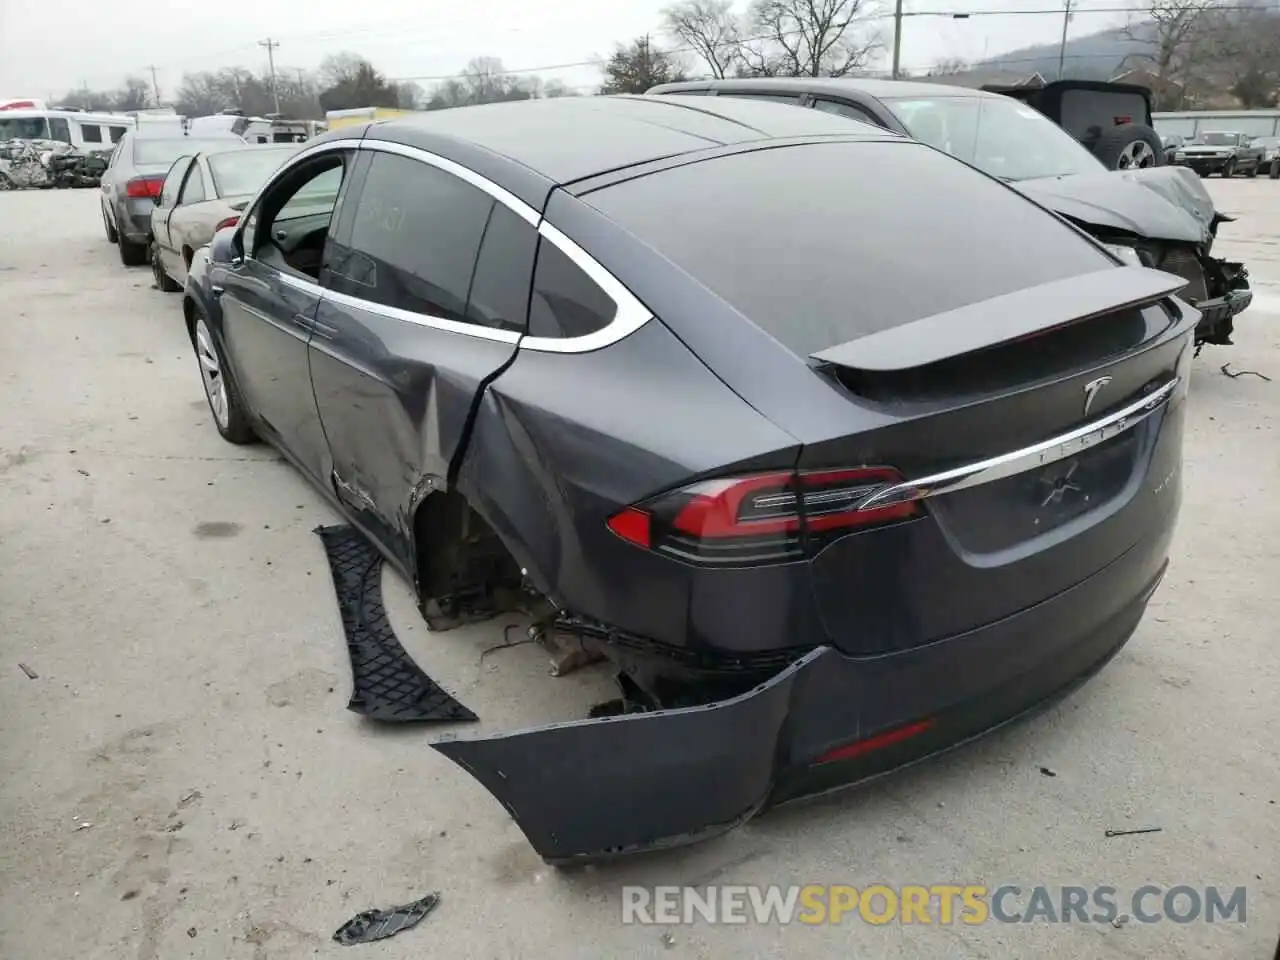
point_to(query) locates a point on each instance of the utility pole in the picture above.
(271, 64)
(1062, 47)
(155, 85)
(897, 38)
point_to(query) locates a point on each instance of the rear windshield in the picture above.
(824, 243)
(240, 172)
(1005, 138)
(147, 150)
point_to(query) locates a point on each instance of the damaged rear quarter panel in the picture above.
(394, 399)
(547, 464)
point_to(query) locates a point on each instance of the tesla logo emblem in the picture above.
(1058, 486)
(1091, 390)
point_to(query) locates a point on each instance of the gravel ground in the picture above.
(169, 593)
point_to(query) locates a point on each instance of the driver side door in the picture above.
(269, 300)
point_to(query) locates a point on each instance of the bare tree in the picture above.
(1243, 55)
(949, 67)
(809, 38)
(483, 80)
(1174, 32)
(709, 28)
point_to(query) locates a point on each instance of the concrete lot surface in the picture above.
(189, 704)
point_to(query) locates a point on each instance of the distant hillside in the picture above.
(1097, 56)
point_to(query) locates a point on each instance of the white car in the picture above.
(202, 193)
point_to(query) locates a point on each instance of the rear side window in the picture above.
(500, 290)
(566, 302)
(417, 230)
(116, 133)
(845, 110)
(91, 133)
(193, 191)
(1087, 113)
(820, 244)
(173, 182)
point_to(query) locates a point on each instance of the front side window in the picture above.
(25, 128)
(59, 129)
(566, 302)
(999, 136)
(173, 182)
(289, 227)
(414, 240)
(193, 191)
(241, 173)
(90, 133)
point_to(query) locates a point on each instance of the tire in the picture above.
(5, 183)
(131, 254)
(1129, 147)
(224, 400)
(164, 282)
(1229, 170)
(1253, 171)
(1275, 170)
(112, 236)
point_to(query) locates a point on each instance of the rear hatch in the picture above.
(1023, 445)
(939, 320)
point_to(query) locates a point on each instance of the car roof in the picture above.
(835, 86)
(531, 146)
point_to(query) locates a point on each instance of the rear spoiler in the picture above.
(1010, 316)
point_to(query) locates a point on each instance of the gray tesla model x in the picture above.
(841, 450)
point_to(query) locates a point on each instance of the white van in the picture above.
(252, 129)
(81, 129)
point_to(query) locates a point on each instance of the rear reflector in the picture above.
(1121, 121)
(229, 222)
(631, 525)
(762, 517)
(140, 187)
(860, 748)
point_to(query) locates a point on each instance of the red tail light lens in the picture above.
(760, 518)
(140, 187)
(229, 222)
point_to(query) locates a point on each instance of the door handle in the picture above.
(217, 291)
(301, 320)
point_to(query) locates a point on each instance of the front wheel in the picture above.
(224, 402)
(1229, 170)
(163, 281)
(1253, 171)
(1275, 169)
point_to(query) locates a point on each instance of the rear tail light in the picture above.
(228, 222)
(1121, 121)
(760, 518)
(140, 187)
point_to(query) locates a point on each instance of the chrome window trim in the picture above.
(1028, 458)
(630, 313)
(629, 317)
(503, 196)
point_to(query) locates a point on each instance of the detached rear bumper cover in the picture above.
(596, 789)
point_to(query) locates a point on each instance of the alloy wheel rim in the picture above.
(1137, 154)
(215, 387)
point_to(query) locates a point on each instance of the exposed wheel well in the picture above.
(464, 571)
(187, 254)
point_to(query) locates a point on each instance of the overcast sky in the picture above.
(50, 46)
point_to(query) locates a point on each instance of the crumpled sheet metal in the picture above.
(1182, 187)
(371, 925)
